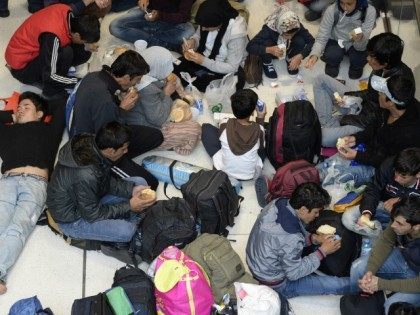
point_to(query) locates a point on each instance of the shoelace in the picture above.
(270, 68)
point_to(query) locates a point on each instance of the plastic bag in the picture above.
(191, 93)
(220, 91)
(353, 103)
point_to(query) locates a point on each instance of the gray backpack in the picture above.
(221, 263)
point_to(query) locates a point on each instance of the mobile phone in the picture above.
(260, 105)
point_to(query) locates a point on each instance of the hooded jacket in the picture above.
(75, 190)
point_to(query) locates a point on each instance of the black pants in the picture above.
(37, 72)
(204, 75)
(143, 139)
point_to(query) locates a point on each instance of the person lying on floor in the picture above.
(47, 44)
(27, 147)
(82, 196)
(397, 177)
(218, 47)
(282, 36)
(275, 245)
(101, 97)
(398, 129)
(394, 262)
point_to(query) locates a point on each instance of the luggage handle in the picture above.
(171, 176)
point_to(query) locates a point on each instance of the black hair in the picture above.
(244, 103)
(407, 162)
(131, 63)
(112, 135)
(309, 195)
(402, 89)
(292, 31)
(386, 48)
(87, 26)
(409, 208)
(39, 102)
(403, 308)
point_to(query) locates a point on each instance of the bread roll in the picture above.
(340, 143)
(172, 77)
(147, 194)
(326, 230)
(365, 220)
(337, 97)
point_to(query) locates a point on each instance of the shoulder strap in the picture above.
(336, 15)
(279, 134)
(171, 176)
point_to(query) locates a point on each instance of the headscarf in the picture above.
(212, 13)
(282, 20)
(160, 62)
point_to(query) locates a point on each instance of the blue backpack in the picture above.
(29, 306)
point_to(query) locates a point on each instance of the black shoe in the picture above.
(120, 252)
(355, 73)
(312, 15)
(270, 71)
(332, 71)
(4, 13)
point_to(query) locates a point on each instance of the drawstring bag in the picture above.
(181, 137)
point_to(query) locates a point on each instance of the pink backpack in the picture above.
(181, 285)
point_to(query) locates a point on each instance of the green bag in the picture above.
(119, 301)
(221, 263)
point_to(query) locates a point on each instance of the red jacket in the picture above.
(24, 45)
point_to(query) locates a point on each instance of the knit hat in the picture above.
(212, 13)
(282, 20)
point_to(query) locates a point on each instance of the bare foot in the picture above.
(3, 287)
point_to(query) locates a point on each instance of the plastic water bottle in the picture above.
(366, 247)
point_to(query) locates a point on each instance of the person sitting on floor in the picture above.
(275, 245)
(337, 36)
(47, 44)
(397, 130)
(397, 177)
(237, 148)
(101, 97)
(384, 56)
(394, 261)
(27, 147)
(218, 47)
(282, 36)
(78, 195)
(158, 22)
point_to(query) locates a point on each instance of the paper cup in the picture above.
(140, 45)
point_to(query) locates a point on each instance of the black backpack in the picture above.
(92, 305)
(138, 287)
(167, 222)
(339, 263)
(293, 133)
(214, 199)
(363, 304)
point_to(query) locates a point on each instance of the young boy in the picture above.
(396, 178)
(237, 148)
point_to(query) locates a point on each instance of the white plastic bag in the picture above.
(256, 299)
(220, 91)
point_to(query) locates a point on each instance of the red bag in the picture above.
(289, 176)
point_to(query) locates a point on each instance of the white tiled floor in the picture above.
(53, 270)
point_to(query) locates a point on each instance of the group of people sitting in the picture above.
(93, 192)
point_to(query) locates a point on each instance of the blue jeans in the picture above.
(344, 172)
(394, 267)
(22, 199)
(324, 88)
(313, 285)
(133, 26)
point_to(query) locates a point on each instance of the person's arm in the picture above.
(411, 285)
(104, 113)
(78, 6)
(309, 41)
(236, 49)
(381, 249)
(50, 44)
(265, 38)
(324, 32)
(156, 105)
(372, 194)
(182, 16)
(373, 157)
(120, 188)
(367, 27)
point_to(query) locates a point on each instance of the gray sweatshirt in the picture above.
(342, 29)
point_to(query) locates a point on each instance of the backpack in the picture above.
(339, 263)
(138, 287)
(362, 16)
(181, 285)
(240, 7)
(360, 304)
(30, 306)
(167, 222)
(92, 305)
(70, 110)
(221, 263)
(293, 133)
(211, 195)
(291, 175)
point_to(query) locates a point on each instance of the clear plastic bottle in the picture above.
(366, 247)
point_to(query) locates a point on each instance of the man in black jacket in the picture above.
(396, 178)
(81, 180)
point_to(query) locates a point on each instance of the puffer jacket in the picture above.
(75, 190)
(274, 249)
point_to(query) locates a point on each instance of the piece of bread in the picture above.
(147, 194)
(172, 77)
(337, 97)
(191, 51)
(340, 143)
(180, 111)
(189, 98)
(365, 220)
(326, 230)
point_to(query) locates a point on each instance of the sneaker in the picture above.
(261, 189)
(4, 13)
(332, 71)
(312, 15)
(270, 71)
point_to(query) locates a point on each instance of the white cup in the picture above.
(140, 45)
